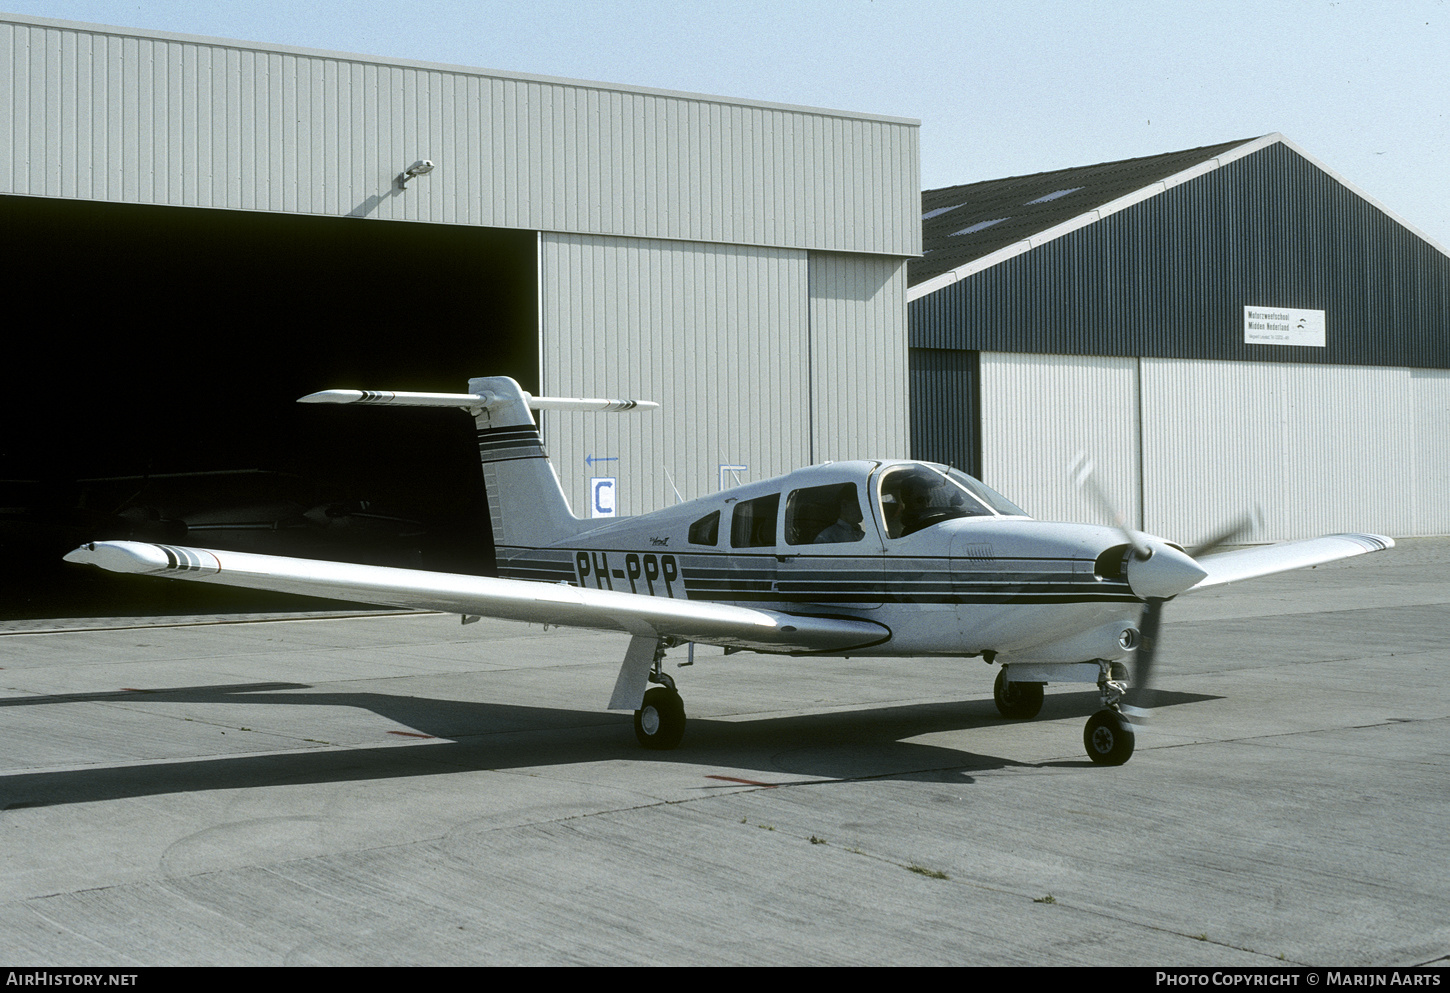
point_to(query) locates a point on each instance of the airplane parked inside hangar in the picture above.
(866, 558)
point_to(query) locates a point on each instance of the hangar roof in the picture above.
(960, 224)
(974, 226)
(967, 223)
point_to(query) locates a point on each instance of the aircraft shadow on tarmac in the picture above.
(477, 736)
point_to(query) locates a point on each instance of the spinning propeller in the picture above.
(1157, 572)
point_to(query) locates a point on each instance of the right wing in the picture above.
(511, 599)
(1246, 563)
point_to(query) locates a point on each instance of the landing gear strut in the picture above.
(1109, 737)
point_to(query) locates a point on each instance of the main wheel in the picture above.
(660, 722)
(1108, 738)
(1019, 701)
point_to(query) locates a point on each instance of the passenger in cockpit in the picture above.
(848, 523)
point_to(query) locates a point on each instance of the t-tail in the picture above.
(525, 499)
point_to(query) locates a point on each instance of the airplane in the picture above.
(884, 558)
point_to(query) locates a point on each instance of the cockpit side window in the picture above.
(822, 515)
(753, 525)
(706, 531)
(916, 497)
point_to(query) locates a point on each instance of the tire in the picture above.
(1018, 701)
(659, 723)
(1108, 738)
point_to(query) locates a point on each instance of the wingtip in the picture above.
(332, 396)
(120, 556)
(84, 555)
(1371, 542)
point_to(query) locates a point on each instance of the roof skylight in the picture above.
(1052, 196)
(972, 229)
(940, 210)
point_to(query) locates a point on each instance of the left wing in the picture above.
(512, 599)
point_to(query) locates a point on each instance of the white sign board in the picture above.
(1283, 326)
(601, 496)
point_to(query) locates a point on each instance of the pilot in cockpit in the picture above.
(923, 497)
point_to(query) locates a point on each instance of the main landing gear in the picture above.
(1018, 701)
(659, 723)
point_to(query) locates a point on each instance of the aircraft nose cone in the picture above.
(1166, 573)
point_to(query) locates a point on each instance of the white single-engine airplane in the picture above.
(872, 558)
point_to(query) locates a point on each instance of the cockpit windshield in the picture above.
(917, 496)
(985, 493)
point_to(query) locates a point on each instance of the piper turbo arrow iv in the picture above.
(868, 558)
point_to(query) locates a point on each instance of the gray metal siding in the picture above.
(945, 408)
(1169, 277)
(1040, 412)
(858, 371)
(131, 116)
(1320, 449)
(717, 334)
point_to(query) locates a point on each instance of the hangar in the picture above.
(1216, 328)
(213, 228)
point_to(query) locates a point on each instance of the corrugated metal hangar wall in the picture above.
(1127, 329)
(742, 263)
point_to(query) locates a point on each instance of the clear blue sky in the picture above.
(1001, 88)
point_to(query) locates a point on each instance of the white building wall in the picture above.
(1430, 390)
(858, 360)
(717, 334)
(1040, 412)
(1319, 449)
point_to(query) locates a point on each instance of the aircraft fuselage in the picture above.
(957, 586)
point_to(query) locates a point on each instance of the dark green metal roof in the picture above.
(963, 223)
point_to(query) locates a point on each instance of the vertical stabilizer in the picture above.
(525, 498)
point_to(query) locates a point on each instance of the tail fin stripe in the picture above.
(491, 453)
(502, 433)
(511, 443)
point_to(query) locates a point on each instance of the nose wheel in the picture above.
(1108, 738)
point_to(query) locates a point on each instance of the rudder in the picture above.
(526, 501)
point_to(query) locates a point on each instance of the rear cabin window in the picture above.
(706, 531)
(823, 515)
(754, 523)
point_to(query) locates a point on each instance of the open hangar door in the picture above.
(152, 386)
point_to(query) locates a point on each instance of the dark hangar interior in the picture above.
(152, 395)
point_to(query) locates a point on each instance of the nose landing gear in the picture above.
(1109, 737)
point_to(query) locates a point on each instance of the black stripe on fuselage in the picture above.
(756, 579)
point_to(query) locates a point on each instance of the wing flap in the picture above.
(1247, 563)
(510, 599)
